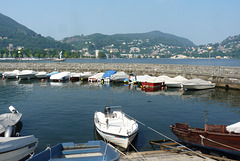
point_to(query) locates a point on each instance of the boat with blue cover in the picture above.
(90, 151)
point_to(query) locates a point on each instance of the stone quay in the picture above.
(224, 76)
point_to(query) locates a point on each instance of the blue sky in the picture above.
(201, 21)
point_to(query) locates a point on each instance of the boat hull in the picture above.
(220, 141)
(19, 153)
(92, 150)
(122, 141)
(186, 86)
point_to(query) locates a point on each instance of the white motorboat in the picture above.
(62, 76)
(95, 77)
(27, 74)
(142, 79)
(197, 84)
(107, 76)
(175, 82)
(17, 148)
(114, 126)
(13, 147)
(52, 73)
(75, 76)
(8, 122)
(119, 77)
(85, 75)
(41, 75)
(10, 74)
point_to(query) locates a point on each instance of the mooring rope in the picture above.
(202, 137)
(136, 151)
(167, 137)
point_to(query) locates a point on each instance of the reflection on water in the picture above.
(60, 112)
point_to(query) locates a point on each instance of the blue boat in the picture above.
(52, 73)
(107, 75)
(90, 151)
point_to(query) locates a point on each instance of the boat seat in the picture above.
(78, 159)
(182, 125)
(216, 128)
(80, 151)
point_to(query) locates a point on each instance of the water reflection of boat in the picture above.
(198, 93)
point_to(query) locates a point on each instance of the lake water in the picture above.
(211, 62)
(63, 112)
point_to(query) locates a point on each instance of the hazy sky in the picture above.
(201, 21)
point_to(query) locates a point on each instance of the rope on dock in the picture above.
(136, 151)
(167, 137)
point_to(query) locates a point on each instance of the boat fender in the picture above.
(8, 131)
(12, 109)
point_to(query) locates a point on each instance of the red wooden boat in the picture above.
(215, 137)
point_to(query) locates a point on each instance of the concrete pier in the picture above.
(227, 77)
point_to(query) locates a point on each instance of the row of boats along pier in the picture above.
(113, 125)
(145, 81)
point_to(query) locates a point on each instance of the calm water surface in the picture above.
(62, 112)
(211, 62)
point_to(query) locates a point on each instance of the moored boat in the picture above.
(216, 137)
(91, 151)
(12, 146)
(114, 126)
(10, 74)
(154, 82)
(197, 84)
(62, 76)
(95, 77)
(17, 148)
(27, 74)
(41, 75)
(107, 76)
(119, 77)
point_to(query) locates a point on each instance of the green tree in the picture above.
(102, 55)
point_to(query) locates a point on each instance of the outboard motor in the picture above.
(8, 131)
(107, 110)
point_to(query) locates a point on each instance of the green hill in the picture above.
(143, 40)
(11, 32)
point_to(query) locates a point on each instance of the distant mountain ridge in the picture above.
(11, 32)
(147, 39)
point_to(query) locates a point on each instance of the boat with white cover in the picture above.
(10, 74)
(175, 82)
(114, 126)
(62, 76)
(95, 77)
(8, 122)
(197, 84)
(27, 74)
(41, 75)
(119, 77)
(85, 75)
(13, 147)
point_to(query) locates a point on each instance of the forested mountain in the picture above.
(144, 40)
(11, 32)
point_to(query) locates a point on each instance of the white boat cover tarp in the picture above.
(12, 143)
(9, 119)
(234, 127)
